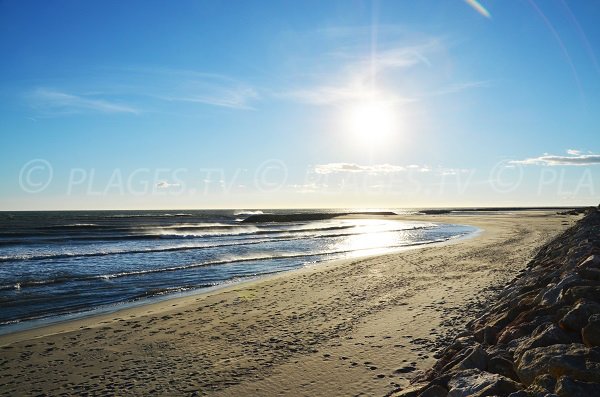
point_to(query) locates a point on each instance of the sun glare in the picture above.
(371, 122)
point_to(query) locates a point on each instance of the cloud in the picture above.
(238, 98)
(166, 185)
(213, 90)
(197, 87)
(459, 87)
(58, 102)
(152, 86)
(575, 157)
(354, 76)
(332, 168)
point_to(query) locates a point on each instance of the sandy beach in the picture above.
(352, 327)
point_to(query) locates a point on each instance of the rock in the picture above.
(568, 387)
(520, 393)
(502, 366)
(551, 296)
(434, 391)
(544, 335)
(590, 334)
(591, 262)
(534, 362)
(589, 274)
(578, 316)
(579, 363)
(475, 357)
(474, 382)
(517, 330)
(542, 384)
(573, 294)
(412, 391)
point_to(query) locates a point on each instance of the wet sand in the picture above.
(351, 327)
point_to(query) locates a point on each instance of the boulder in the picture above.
(475, 357)
(551, 296)
(502, 366)
(534, 362)
(478, 383)
(487, 330)
(545, 335)
(590, 334)
(542, 384)
(518, 330)
(412, 391)
(591, 262)
(573, 294)
(520, 393)
(589, 274)
(578, 316)
(579, 363)
(434, 391)
(568, 387)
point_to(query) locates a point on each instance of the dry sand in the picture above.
(352, 327)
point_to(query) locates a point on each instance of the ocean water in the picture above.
(57, 263)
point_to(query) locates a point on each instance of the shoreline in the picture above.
(540, 335)
(41, 323)
(303, 328)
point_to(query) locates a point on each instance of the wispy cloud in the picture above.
(58, 102)
(233, 98)
(112, 90)
(459, 87)
(575, 157)
(202, 88)
(392, 71)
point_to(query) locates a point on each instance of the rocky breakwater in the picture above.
(539, 337)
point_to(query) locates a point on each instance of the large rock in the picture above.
(590, 334)
(544, 335)
(542, 384)
(591, 262)
(475, 357)
(578, 316)
(502, 366)
(551, 295)
(580, 363)
(414, 390)
(434, 391)
(568, 387)
(535, 362)
(589, 274)
(573, 294)
(478, 383)
(518, 330)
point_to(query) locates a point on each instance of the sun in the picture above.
(371, 122)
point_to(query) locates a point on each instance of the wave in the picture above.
(244, 212)
(168, 215)
(154, 233)
(68, 255)
(223, 261)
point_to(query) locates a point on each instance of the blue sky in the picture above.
(215, 104)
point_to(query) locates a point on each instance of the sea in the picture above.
(58, 264)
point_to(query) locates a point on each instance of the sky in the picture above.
(299, 104)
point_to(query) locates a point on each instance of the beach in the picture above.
(359, 326)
